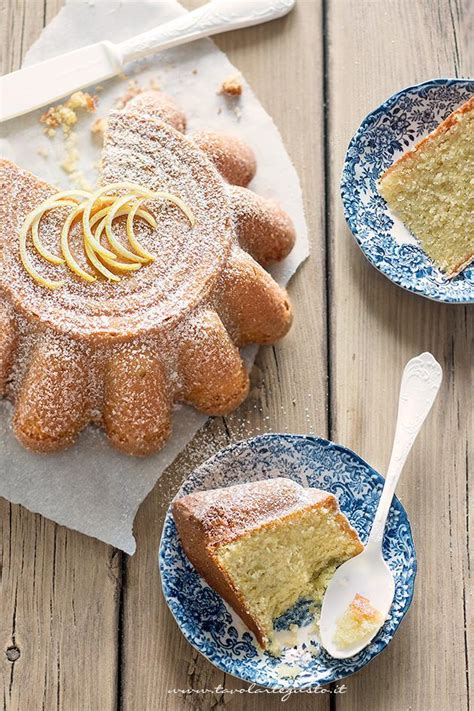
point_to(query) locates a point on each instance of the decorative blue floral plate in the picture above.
(212, 627)
(382, 137)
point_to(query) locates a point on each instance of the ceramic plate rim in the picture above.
(313, 439)
(353, 222)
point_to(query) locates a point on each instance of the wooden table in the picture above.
(83, 626)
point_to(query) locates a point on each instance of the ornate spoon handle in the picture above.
(421, 381)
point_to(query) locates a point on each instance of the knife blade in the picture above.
(44, 83)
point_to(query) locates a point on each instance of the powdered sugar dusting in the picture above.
(147, 337)
(100, 488)
(188, 260)
(229, 512)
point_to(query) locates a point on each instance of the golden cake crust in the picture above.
(164, 334)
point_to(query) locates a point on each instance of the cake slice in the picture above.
(431, 189)
(360, 621)
(265, 545)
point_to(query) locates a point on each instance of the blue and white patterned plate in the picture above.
(212, 627)
(382, 137)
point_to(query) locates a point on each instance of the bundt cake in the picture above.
(265, 545)
(120, 351)
(431, 189)
(360, 622)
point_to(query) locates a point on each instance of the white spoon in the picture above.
(368, 574)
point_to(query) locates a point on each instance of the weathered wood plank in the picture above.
(289, 392)
(375, 49)
(65, 587)
(59, 597)
(58, 616)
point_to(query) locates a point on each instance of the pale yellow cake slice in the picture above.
(264, 545)
(431, 189)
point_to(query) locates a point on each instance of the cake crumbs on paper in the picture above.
(232, 86)
(78, 179)
(134, 88)
(71, 159)
(99, 126)
(43, 152)
(65, 115)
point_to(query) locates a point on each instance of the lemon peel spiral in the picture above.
(34, 226)
(98, 210)
(70, 261)
(61, 199)
(67, 197)
(119, 266)
(95, 261)
(124, 210)
(22, 237)
(136, 210)
(117, 246)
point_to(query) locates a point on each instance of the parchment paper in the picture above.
(91, 487)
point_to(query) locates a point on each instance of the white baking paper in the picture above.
(91, 487)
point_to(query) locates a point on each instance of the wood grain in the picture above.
(289, 382)
(83, 627)
(375, 328)
(60, 590)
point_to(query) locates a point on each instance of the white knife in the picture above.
(46, 82)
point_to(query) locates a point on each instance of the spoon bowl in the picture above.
(367, 574)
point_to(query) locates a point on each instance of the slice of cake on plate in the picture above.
(265, 545)
(431, 189)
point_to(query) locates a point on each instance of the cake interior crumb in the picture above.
(360, 621)
(299, 569)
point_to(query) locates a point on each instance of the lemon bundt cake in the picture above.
(93, 331)
(265, 545)
(359, 622)
(431, 189)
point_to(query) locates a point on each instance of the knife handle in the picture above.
(214, 17)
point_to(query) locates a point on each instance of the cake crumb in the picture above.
(232, 86)
(82, 100)
(99, 126)
(43, 152)
(57, 116)
(134, 88)
(65, 115)
(71, 159)
(78, 179)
